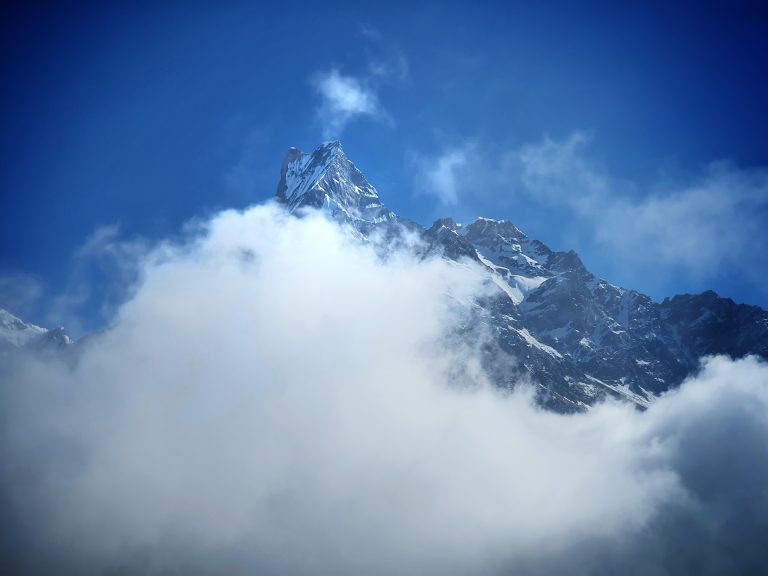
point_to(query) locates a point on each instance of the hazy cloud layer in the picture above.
(276, 400)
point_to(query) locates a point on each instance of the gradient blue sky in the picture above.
(634, 134)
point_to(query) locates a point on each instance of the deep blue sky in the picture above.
(147, 116)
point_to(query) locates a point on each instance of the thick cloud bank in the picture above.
(276, 400)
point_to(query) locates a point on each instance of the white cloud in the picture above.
(344, 98)
(700, 227)
(263, 404)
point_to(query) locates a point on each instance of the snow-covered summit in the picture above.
(328, 180)
(577, 337)
(489, 230)
(15, 333)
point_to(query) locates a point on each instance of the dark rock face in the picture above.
(707, 324)
(576, 337)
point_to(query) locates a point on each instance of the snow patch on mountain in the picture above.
(327, 180)
(15, 332)
(579, 338)
(531, 341)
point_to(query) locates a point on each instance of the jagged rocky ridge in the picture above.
(575, 336)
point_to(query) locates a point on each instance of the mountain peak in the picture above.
(327, 180)
(489, 230)
(15, 332)
(334, 145)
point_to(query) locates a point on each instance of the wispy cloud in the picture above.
(103, 272)
(105, 268)
(386, 60)
(20, 293)
(444, 176)
(699, 226)
(343, 99)
(370, 33)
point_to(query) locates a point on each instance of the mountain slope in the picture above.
(577, 337)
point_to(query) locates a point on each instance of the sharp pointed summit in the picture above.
(580, 338)
(328, 180)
